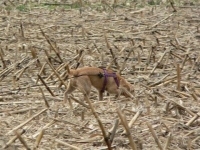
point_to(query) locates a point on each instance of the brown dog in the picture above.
(86, 77)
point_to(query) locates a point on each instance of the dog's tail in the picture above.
(71, 72)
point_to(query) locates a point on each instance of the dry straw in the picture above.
(22, 140)
(39, 138)
(125, 124)
(13, 139)
(66, 144)
(106, 139)
(46, 86)
(27, 121)
(154, 136)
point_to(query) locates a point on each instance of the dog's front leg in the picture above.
(118, 93)
(100, 96)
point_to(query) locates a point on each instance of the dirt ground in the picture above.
(154, 45)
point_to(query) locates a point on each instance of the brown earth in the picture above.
(155, 47)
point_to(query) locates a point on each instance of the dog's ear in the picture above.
(101, 67)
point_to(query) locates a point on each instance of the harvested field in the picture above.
(154, 45)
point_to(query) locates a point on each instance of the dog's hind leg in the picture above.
(70, 88)
(100, 95)
(83, 84)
